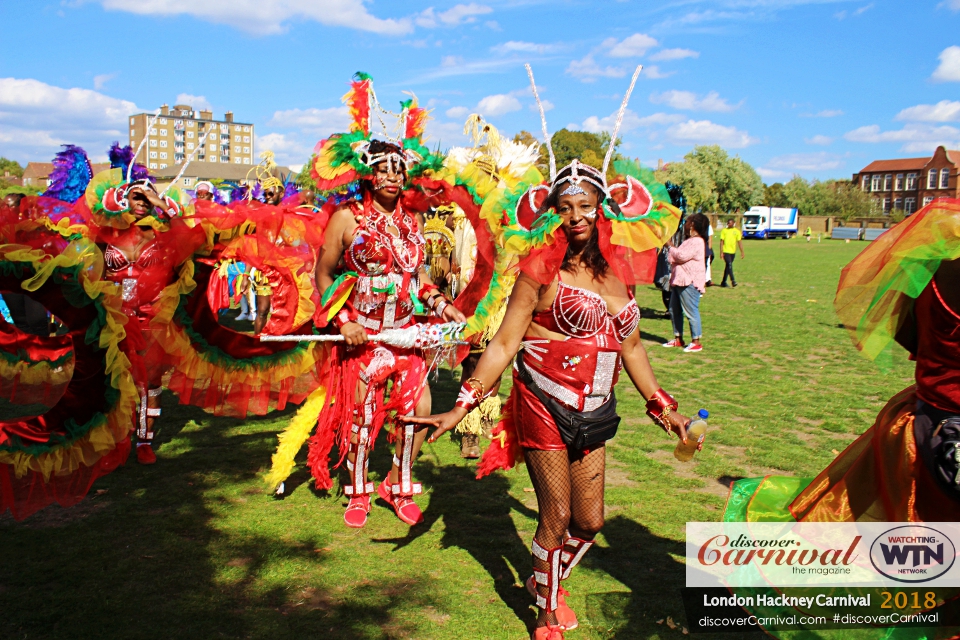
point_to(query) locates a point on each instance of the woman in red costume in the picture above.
(573, 315)
(378, 244)
(144, 240)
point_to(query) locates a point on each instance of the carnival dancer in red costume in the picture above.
(572, 314)
(371, 270)
(144, 240)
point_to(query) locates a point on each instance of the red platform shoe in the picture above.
(549, 632)
(566, 618)
(145, 454)
(405, 508)
(356, 514)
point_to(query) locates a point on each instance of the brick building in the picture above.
(37, 174)
(178, 131)
(911, 183)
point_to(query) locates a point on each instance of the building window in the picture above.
(132, 133)
(178, 146)
(875, 183)
(213, 147)
(944, 178)
(153, 154)
(190, 146)
(246, 128)
(887, 182)
(898, 185)
(224, 127)
(886, 205)
(898, 203)
(178, 124)
(153, 165)
(178, 157)
(246, 149)
(201, 157)
(163, 121)
(246, 161)
(186, 182)
(927, 200)
(911, 182)
(163, 143)
(163, 132)
(153, 132)
(236, 128)
(213, 158)
(236, 138)
(225, 136)
(190, 134)
(133, 120)
(153, 143)
(237, 161)
(910, 206)
(932, 179)
(163, 166)
(224, 159)
(866, 183)
(163, 155)
(246, 138)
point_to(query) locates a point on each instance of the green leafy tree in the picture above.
(837, 198)
(714, 181)
(12, 166)
(774, 196)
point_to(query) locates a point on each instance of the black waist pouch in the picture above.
(938, 438)
(579, 430)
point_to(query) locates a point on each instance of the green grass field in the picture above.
(194, 547)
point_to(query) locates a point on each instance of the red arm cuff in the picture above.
(659, 407)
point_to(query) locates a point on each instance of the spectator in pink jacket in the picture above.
(687, 281)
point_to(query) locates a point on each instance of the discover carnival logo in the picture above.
(912, 553)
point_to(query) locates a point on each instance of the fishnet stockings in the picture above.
(569, 488)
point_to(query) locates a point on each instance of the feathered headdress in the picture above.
(264, 173)
(107, 194)
(345, 158)
(71, 174)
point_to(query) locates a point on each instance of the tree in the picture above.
(713, 181)
(12, 166)
(837, 198)
(568, 145)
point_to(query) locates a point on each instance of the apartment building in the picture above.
(182, 130)
(911, 183)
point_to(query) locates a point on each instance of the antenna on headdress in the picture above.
(143, 141)
(189, 159)
(616, 127)
(543, 123)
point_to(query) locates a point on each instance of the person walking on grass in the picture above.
(730, 239)
(688, 281)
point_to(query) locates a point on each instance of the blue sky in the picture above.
(814, 87)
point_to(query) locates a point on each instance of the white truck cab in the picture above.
(770, 222)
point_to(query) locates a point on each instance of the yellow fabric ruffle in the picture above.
(487, 412)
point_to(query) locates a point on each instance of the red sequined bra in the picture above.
(386, 253)
(579, 313)
(138, 288)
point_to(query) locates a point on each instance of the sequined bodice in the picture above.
(579, 313)
(386, 243)
(116, 262)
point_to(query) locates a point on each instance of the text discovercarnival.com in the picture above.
(743, 576)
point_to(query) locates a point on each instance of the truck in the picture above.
(770, 222)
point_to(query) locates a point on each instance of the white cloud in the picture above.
(689, 101)
(856, 13)
(653, 72)
(269, 17)
(826, 113)
(100, 81)
(631, 47)
(706, 132)
(631, 121)
(36, 118)
(587, 70)
(451, 61)
(916, 138)
(320, 122)
(943, 111)
(547, 105)
(819, 140)
(457, 112)
(795, 162)
(288, 149)
(665, 55)
(949, 69)
(458, 14)
(953, 5)
(519, 46)
(197, 102)
(498, 104)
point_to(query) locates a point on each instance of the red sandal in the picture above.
(404, 506)
(566, 618)
(356, 514)
(549, 632)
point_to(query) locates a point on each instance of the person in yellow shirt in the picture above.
(730, 239)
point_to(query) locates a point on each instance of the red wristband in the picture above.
(659, 407)
(345, 315)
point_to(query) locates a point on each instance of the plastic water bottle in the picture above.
(696, 432)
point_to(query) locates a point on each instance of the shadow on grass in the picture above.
(646, 564)
(145, 556)
(478, 518)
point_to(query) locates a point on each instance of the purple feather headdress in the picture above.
(71, 174)
(121, 157)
